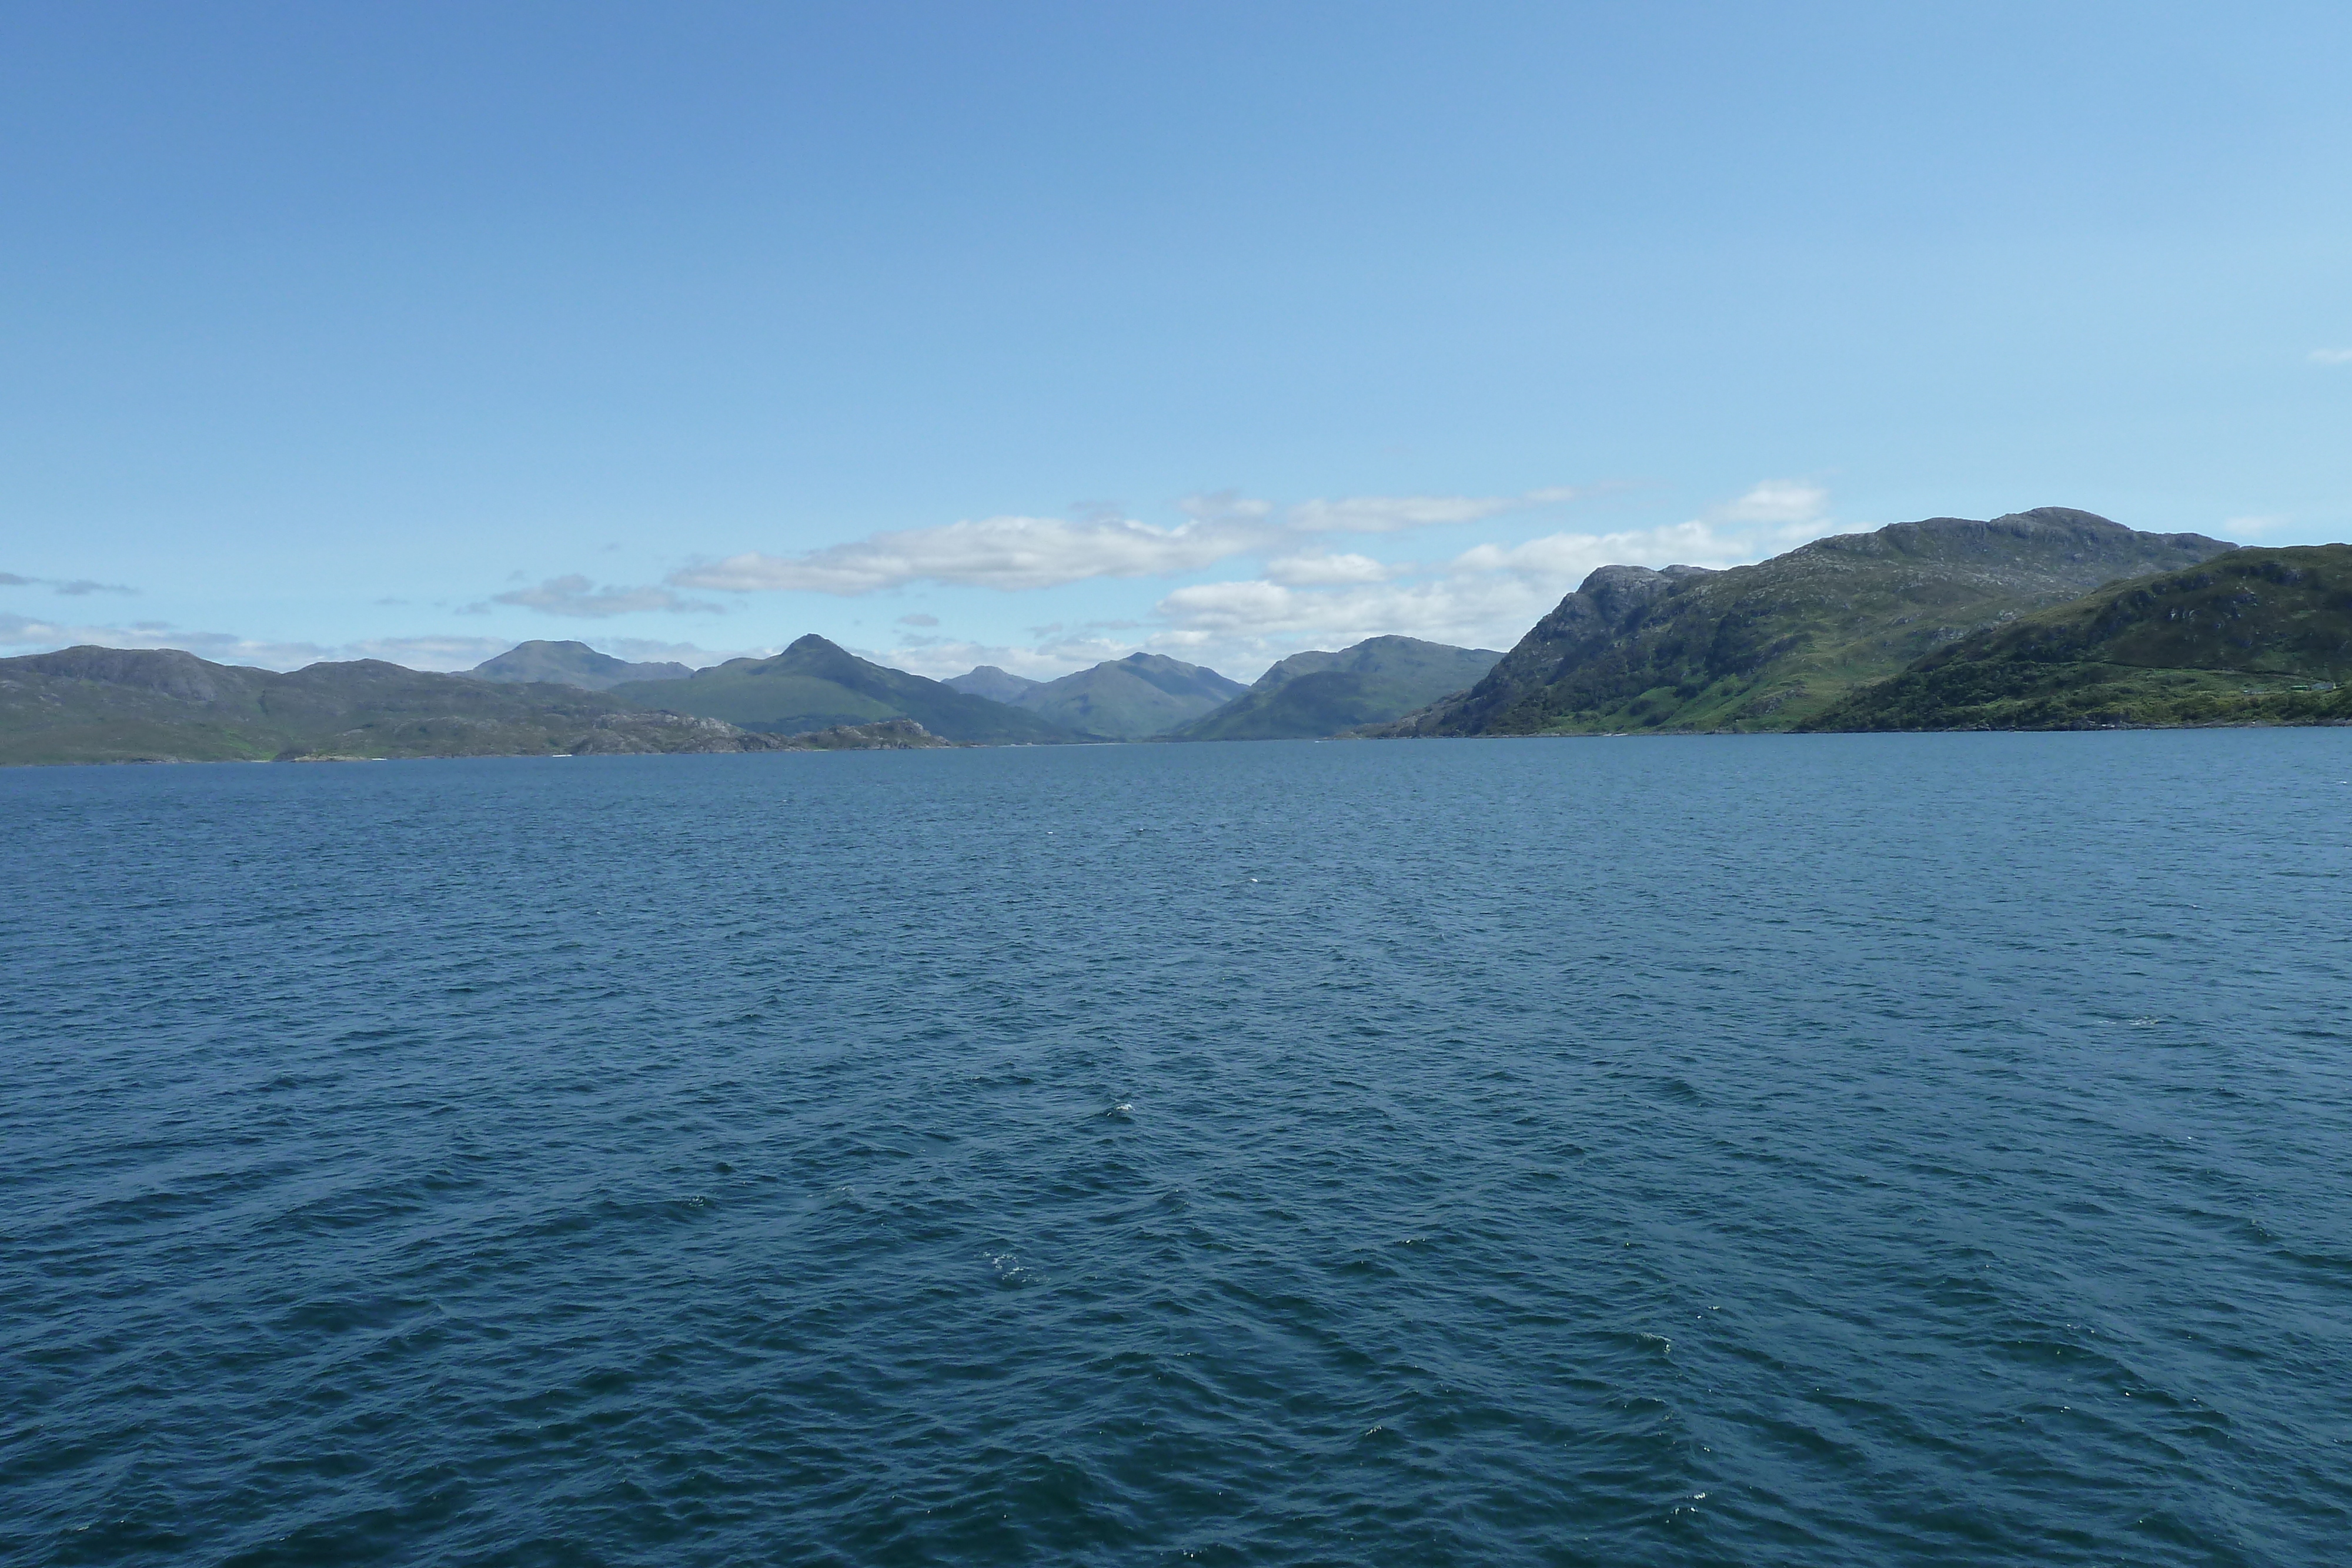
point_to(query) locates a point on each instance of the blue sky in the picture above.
(1031, 334)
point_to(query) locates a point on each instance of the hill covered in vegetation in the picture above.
(1319, 694)
(1771, 645)
(2255, 636)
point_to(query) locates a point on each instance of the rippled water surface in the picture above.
(1832, 1150)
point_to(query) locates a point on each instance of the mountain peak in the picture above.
(569, 664)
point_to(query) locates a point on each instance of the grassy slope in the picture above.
(2242, 639)
(1772, 645)
(815, 684)
(1319, 694)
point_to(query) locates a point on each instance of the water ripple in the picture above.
(1846, 1150)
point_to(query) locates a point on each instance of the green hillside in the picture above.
(115, 704)
(2256, 636)
(1318, 694)
(1132, 699)
(1774, 645)
(815, 684)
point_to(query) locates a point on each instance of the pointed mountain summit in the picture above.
(571, 664)
(817, 685)
(1318, 694)
(1771, 645)
(988, 681)
(1132, 699)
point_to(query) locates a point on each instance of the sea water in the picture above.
(1851, 1150)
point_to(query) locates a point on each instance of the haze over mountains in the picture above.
(2052, 618)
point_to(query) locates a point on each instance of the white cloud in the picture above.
(2249, 527)
(1775, 501)
(2331, 356)
(1394, 514)
(1315, 569)
(576, 596)
(1017, 553)
(1560, 558)
(1009, 553)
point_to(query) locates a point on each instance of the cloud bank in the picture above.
(1018, 553)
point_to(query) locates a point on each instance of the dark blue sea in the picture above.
(1850, 1150)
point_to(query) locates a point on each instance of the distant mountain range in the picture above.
(2047, 619)
(117, 705)
(1318, 694)
(815, 684)
(114, 705)
(1778, 643)
(1132, 699)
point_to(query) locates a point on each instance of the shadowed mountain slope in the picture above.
(988, 681)
(115, 704)
(1132, 698)
(817, 685)
(1771, 645)
(571, 664)
(2255, 636)
(1318, 694)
